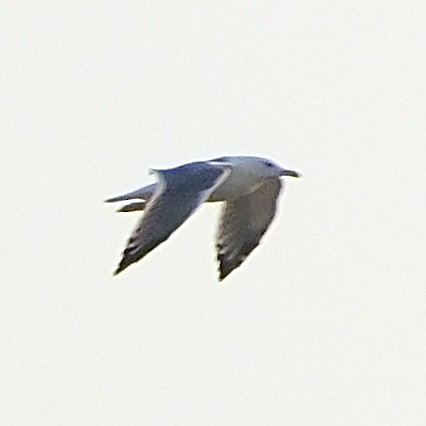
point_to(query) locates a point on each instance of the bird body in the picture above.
(243, 179)
(249, 186)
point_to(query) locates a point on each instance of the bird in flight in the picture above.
(248, 186)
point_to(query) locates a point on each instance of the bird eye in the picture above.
(269, 163)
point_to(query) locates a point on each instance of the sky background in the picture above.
(324, 324)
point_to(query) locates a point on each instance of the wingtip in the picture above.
(132, 207)
(223, 273)
(114, 199)
(120, 268)
(125, 262)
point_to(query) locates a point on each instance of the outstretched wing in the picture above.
(178, 193)
(144, 193)
(243, 222)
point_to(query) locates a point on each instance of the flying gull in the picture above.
(248, 186)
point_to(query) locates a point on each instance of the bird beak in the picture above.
(291, 173)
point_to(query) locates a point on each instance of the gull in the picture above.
(248, 186)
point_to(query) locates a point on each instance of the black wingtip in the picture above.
(120, 268)
(111, 200)
(223, 271)
(133, 207)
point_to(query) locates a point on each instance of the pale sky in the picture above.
(324, 324)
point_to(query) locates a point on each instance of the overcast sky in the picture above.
(324, 324)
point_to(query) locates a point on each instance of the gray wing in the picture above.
(178, 193)
(243, 222)
(144, 193)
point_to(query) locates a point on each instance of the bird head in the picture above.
(270, 169)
